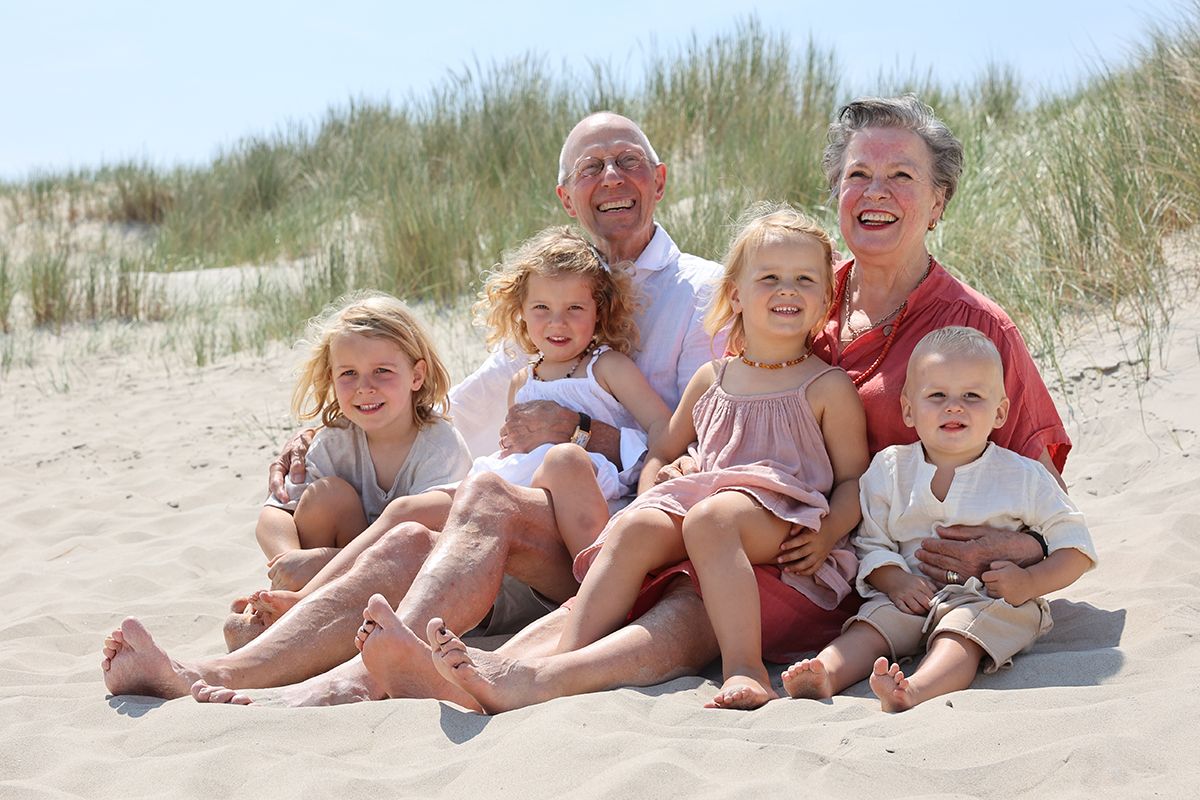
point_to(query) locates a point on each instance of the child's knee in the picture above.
(331, 492)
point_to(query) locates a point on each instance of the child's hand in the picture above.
(1009, 582)
(802, 552)
(292, 569)
(912, 594)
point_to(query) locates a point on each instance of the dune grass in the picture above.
(1062, 210)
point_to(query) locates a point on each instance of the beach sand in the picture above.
(130, 486)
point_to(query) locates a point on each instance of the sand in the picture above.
(130, 487)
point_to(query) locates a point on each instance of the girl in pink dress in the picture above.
(778, 431)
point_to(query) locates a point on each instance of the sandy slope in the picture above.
(134, 492)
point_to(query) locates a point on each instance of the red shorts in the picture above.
(792, 625)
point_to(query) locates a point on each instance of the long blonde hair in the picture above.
(559, 250)
(758, 223)
(379, 316)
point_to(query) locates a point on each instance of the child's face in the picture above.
(954, 402)
(374, 381)
(560, 315)
(782, 289)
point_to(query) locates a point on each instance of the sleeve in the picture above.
(474, 407)
(698, 347)
(874, 546)
(1056, 516)
(443, 458)
(1033, 423)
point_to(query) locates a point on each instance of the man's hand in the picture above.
(684, 465)
(535, 423)
(1009, 582)
(291, 459)
(970, 551)
(802, 552)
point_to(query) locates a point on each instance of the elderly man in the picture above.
(611, 180)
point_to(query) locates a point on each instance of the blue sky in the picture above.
(87, 82)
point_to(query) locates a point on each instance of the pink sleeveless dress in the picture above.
(770, 447)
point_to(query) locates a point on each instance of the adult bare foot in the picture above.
(241, 628)
(891, 687)
(808, 679)
(742, 692)
(399, 661)
(134, 664)
(204, 693)
(497, 683)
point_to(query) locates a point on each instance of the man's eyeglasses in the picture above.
(591, 166)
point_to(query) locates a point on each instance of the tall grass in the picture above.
(1063, 207)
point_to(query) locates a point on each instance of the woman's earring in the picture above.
(933, 224)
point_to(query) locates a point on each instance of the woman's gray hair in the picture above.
(906, 112)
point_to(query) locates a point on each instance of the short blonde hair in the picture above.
(956, 340)
(379, 316)
(560, 250)
(758, 223)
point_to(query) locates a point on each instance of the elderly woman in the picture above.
(893, 168)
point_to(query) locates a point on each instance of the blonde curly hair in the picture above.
(378, 316)
(758, 223)
(559, 250)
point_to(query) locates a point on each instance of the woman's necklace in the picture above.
(900, 313)
(542, 357)
(777, 365)
(856, 332)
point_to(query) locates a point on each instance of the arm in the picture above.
(621, 378)
(541, 421)
(474, 405)
(844, 426)
(679, 432)
(1018, 585)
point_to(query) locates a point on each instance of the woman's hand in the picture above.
(803, 551)
(970, 551)
(291, 459)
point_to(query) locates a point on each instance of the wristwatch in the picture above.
(583, 431)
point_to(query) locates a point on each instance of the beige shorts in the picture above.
(516, 606)
(1000, 629)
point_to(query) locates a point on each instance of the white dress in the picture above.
(579, 394)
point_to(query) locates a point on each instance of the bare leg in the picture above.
(949, 666)
(726, 534)
(672, 639)
(329, 514)
(492, 528)
(568, 474)
(644, 539)
(316, 636)
(844, 662)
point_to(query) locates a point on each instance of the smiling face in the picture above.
(616, 206)
(887, 198)
(560, 315)
(782, 293)
(954, 401)
(374, 382)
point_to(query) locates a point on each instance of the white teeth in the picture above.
(369, 406)
(786, 309)
(876, 216)
(616, 204)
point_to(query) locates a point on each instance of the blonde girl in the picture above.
(778, 432)
(556, 300)
(374, 381)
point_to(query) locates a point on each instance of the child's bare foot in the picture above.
(241, 628)
(891, 687)
(270, 604)
(808, 679)
(497, 683)
(742, 692)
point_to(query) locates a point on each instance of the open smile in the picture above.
(615, 205)
(369, 408)
(876, 219)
